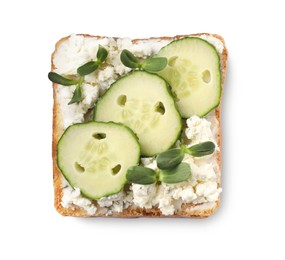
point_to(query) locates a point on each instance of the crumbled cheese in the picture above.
(105, 78)
(124, 43)
(116, 202)
(75, 51)
(74, 113)
(144, 49)
(143, 195)
(198, 130)
(72, 198)
(208, 191)
(163, 200)
(90, 95)
(149, 162)
(187, 194)
(203, 169)
(106, 73)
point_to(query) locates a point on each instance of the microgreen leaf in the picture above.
(87, 68)
(56, 78)
(175, 175)
(77, 97)
(154, 64)
(102, 54)
(129, 60)
(141, 175)
(170, 158)
(202, 149)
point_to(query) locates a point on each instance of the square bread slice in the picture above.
(75, 50)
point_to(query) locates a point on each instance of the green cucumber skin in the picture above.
(65, 175)
(168, 91)
(219, 65)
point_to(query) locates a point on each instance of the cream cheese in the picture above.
(75, 51)
(198, 130)
(202, 187)
(116, 203)
(74, 113)
(72, 198)
(143, 195)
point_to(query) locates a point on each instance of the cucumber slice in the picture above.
(95, 157)
(193, 71)
(143, 102)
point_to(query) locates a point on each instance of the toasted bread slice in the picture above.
(187, 210)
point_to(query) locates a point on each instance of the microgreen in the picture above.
(82, 71)
(153, 64)
(171, 169)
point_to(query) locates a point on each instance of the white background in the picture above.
(250, 221)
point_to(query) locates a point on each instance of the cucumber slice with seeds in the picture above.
(193, 72)
(95, 157)
(143, 102)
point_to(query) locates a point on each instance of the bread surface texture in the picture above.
(95, 209)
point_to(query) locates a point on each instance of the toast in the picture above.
(129, 209)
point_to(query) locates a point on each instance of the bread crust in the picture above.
(187, 210)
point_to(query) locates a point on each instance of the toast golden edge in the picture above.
(57, 130)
